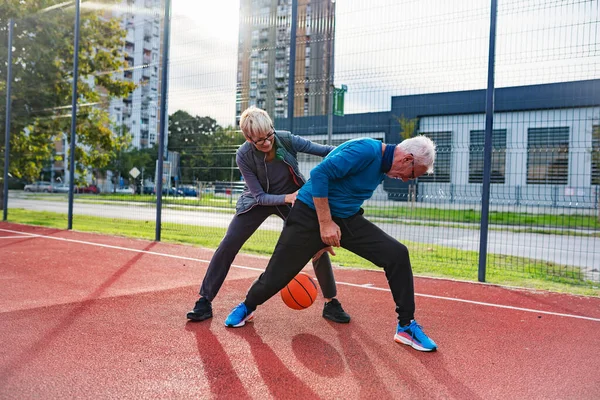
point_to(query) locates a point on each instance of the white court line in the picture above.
(362, 286)
(12, 237)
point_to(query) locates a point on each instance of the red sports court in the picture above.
(92, 316)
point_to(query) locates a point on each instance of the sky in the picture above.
(203, 68)
(387, 48)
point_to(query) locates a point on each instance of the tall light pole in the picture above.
(331, 75)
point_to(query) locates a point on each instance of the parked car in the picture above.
(61, 188)
(93, 189)
(189, 191)
(229, 187)
(125, 190)
(172, 191)
(144, 190)
(39, 187)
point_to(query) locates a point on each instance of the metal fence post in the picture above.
(292, 70)
(7, 121)
(331, 77)
(487, 149)
(73, 115)
(163, 117)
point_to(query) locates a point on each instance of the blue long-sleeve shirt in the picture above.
(347, 176)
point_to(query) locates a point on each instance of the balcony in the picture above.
(148, 97)
(130, 36)
(148, 31)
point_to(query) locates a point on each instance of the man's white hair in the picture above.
(422, 148)
(255, 122)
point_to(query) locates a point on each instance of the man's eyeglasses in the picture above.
(413, 166)
(262, 141)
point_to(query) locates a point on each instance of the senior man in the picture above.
(328, 213)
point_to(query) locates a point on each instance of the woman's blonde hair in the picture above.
(255, 122)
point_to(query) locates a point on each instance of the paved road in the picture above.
(565, 250)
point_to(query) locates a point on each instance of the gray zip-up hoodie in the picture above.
(252, 163)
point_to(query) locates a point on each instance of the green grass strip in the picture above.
(427, 260)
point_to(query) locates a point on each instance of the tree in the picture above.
(42, 79)
(126, 157)
(206, 149)
(408, 126)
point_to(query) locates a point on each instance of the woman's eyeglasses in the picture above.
(262, 141)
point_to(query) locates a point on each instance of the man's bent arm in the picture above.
(330, 231)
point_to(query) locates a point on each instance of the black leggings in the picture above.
(301, 239)
(240, 229)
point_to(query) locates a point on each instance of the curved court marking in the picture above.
(362, 286)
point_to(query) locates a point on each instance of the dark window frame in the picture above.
(442, 168)
(548, 155)
(499, 140)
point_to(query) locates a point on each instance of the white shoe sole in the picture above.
(403, 340)
(249, 318)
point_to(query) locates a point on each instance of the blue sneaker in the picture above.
(414, 336)
(238, 316)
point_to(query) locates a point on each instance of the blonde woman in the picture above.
(268, 163)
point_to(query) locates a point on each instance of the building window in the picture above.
(498, 156)
(548, 156)
(443, 158)
(596, 155)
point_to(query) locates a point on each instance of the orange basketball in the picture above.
(300, 293)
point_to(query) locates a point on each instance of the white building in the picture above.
(545, 144)
(539, 157)
(139, 112)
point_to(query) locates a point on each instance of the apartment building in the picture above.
(139, 112)
(264, 56)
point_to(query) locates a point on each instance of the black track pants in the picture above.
(240, 229)
(301, 239)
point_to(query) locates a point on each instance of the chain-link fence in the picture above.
(387, 70)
